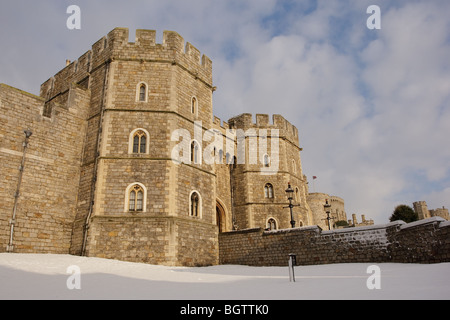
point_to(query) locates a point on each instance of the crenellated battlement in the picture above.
(116, 46)
(245, 121)
(173, 46)
(336, 199)
(220, 126)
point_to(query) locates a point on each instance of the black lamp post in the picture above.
(326, 207)
(289, 193)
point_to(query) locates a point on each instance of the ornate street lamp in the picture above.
(289, 193)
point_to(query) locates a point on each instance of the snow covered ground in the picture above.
(35, 276)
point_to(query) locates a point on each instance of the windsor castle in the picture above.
(120, 156)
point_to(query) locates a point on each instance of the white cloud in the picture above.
(434, 199)
(407, 74)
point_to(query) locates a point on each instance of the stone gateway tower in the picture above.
(126, 160)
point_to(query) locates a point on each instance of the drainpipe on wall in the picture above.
(12, 222)
(233, 217)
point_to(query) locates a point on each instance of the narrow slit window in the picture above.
(220, 156)
(132, 204)
(140, 201)
(195, 152)
(194, 105)
(266, 160)
(142, 144)
(195, 204)
(142, 92)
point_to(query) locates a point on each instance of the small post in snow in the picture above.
(292, 263)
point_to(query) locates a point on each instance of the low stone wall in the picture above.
(424, 241)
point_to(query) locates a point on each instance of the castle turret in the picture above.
(420, 207)
(268, 159)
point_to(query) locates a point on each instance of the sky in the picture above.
(372, 106)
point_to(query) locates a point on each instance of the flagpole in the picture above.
(314, 184)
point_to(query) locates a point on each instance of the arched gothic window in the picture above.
(271, 224)
(141, 92)
(268, 191)
(136, 198)
(140, 142)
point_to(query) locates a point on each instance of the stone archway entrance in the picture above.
(220, 217)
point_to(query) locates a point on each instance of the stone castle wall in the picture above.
(154, 239)
(426, 241)
(47, 197)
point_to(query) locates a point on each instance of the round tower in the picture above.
(317, 201)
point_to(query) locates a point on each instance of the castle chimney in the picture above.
(67, 62)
